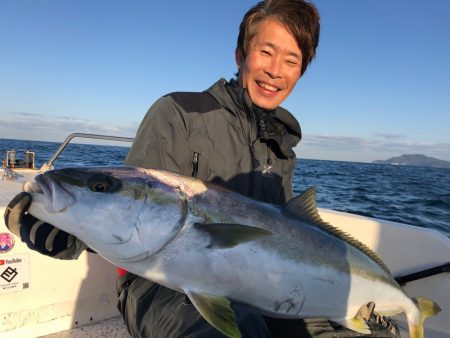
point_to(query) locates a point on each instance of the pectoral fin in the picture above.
(355, 323)
(225, 235)
(217, 311)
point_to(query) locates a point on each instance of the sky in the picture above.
(379, 86)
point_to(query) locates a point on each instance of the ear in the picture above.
(239, 57)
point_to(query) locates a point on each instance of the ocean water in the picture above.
(418, 196)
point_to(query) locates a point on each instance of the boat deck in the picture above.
(111, 328)
(10, 187)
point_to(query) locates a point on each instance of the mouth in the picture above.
(267, 87)
(33, 187)
(57, 198)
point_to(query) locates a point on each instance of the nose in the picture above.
(274, 67)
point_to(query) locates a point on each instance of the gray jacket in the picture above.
(219, 136)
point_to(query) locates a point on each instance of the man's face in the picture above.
(272, 66)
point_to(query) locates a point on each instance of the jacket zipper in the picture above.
(254, 165)
(253, 161)
(195, 164)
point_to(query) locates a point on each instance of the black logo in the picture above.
(9, 274)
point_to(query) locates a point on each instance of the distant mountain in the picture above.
(416, 160)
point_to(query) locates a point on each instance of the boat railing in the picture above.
(49, 164)
(402, 280)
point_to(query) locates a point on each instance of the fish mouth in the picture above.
(46, 190)
(32, 187)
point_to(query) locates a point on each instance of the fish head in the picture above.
(121, 212)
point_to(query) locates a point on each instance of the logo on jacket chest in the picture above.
(267, 170)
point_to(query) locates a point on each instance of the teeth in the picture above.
(267, 87)
(31, 187)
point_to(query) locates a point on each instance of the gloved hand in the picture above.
(366, 311)
(375, 320)
(38, 235)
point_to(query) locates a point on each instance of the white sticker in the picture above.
(14, 273)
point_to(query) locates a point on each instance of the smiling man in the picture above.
(234, 134)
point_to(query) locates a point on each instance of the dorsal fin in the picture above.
(304, 207)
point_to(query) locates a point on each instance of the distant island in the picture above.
(416, 160)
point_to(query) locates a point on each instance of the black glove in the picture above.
(15, 211)
(38, 235)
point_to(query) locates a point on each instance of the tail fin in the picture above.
(427, 308)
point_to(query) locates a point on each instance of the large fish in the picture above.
(217, 246)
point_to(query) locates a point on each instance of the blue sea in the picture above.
(413, 195)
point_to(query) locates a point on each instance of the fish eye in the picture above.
(100, 186)
(104, 183)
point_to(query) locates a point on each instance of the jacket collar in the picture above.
(277, 125)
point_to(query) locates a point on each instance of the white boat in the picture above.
(42, 296)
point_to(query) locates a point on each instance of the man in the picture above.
(234, 134)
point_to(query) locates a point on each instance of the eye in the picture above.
(292, 62)
(104, 183)
(100, 186)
